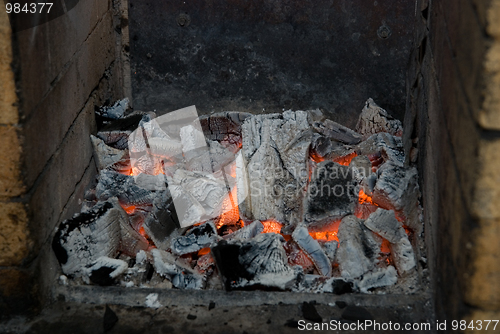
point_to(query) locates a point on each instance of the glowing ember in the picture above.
(327, 233)
(271, 226)
(324, 236)
(203, 251)
(364, 198)
(345, 160)
(316, 158)
(129, 209)
(231, 212)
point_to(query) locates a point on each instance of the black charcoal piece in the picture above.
(116, 111)
(331, 193)
(197, 238)
(260, 261)
(341, 304)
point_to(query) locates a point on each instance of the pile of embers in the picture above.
(287, 201)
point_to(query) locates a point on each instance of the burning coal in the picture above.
(287, 201)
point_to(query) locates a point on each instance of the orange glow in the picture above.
(324, 236)
(328, 232)
(316, 158)
(231, 212)
(271, 226)
(129, 209)
(345, 160)
(385, 247)
(142, 232)
(364, 198)
(204, 251)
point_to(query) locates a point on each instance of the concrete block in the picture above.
(46, 51)
(62, 174)
(483, 282)
(14, 239)
(486, 200)
(8, 96)
(10, 164)
(52, 119)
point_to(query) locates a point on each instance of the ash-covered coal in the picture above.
(287, 201)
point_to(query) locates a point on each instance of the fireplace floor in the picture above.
(84, 310)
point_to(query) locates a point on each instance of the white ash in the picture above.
(105, 155)
(374, 119)
(195, 150)
(388, 146)
(152, 301)
(181, 276)
(377, 278)
(131, 241)
(397, 189)
(113, 184)
(188, 210)
(118, 266)
(358, 249)
(312, 248)
(87, 236)
(197, 238)
(337, 132)
(330, 249)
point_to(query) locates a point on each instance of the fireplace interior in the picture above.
(99, 137)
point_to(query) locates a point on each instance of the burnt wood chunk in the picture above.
(330, 249)
(247, 232)
(385, 224)
(383, 146)
(374, 119)
(377, 278)
(312, 248)
(337, 132)
(260, 261)
(181, 276)
(225, 128)
(197, 238)
(359, 248)
(87, 236)
(113, 184)
(116, 133)
(162, 220)
(397, 189)
(331, 193)
(105, 155)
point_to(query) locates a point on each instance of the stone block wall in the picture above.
(51, 78)
(454, 111)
